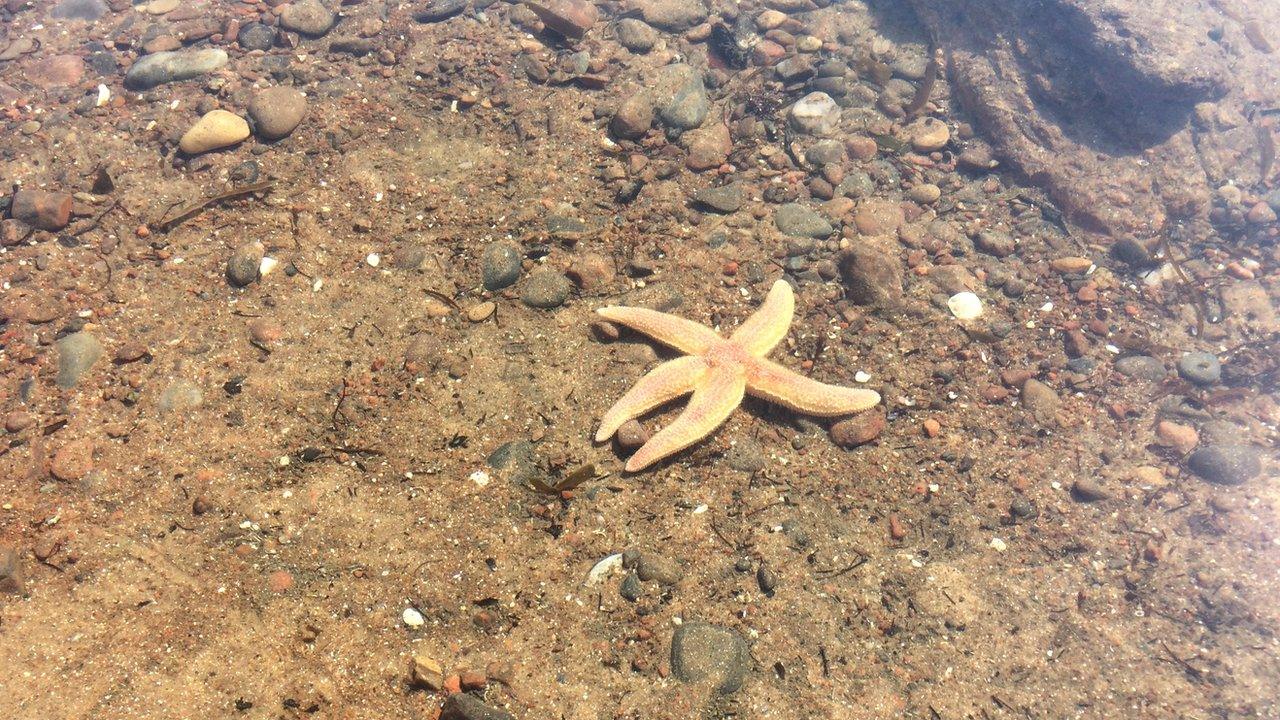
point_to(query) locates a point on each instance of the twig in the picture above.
(926, 85)
(197, 207)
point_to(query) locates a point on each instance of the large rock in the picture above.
(216, 129)
(308, 17)
(872, 276)
(1107, 103)
(705, 653)
(671, 15)
(276, 111)
(680, 96)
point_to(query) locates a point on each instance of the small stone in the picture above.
(481, 311)
(925, 193)
(217, 129)
(73, 460)
(167, 67)
(426, 672)
(709, 147)
(56, 71)
(746, 456)
(265, 331)
(181, 395)
(672, 15)
(1088, 490)
(799, 221)
(871, 276)
(1071, 265)
(655, 568)
(256, 36)
(1041, 401)
(704, 653)
(546, 289)
(244, 263)
(630, 589)
(1182, 438)
(570, 18)
(11, 580)
(636, 35)
(858, 430)
(877, 216)
(276, 111)
(307, 17)
(965, 306)
(1226, 464)
(928, 134)
(77, 353)
(280, 581)
(724, 199)
(500, 264)
(816, 114)
(461, 706)
(766, 579)
(995, 243)
(42, 209)
(412, 618)
(1260, 214)
(770, 19)
(689, 105)
(1021, 507)
(631, 435)
(18, 420)
(437, 10)
(1141, 367)
(1200, 368)
(633, 118)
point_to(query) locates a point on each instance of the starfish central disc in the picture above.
(718, 373)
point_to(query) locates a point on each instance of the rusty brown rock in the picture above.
(73, 460)
(42, 209)
(858, 430)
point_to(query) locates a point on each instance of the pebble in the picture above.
(631, 435)
(816, 114)
(481, 311)
(705, 653)
(724, 199)
(709, 147)
(73, 460)
(877, 216)
(993, 242)
(56, 71)
(42, 209)
(500, 263)
(461, 706)
(217, 129)
(671, 15)
(1071, 265)
(633, 118)
(1182, 438)
(244, 263)
(746, 456)
(256, 36)
(265, 331)
(426, 672)
(307, 17)
(11, 579)
(770, 19)
(1260, 214)
(871, 276)
(681, 97)
(412, 618)
(1226, 464)
(88, 10)
(928, 134)
(799, 221)
(1141, 367)
(546, 289)
(1200, 368)
(1021, 507)
(925, 193)
(180, 395)
(636, 35)
(858, 430)
(569, 18)
(1041, 401)
(167, 67)
(1088, 490)
(276, 111)
(630, 589)
(965, 306)
(280, 581)
(77, 353)
(656, 568)
(856, 184)
(437, 10)
(1131, 252)
(18, 420)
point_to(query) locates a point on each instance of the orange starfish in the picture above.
(719, 372)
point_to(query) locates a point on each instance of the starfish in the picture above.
(719, 373)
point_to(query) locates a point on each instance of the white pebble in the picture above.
(861, 376)
(480, 478)
(374, 259)
(998, 545)
(267, 265)
(413, 618)
(965, 306)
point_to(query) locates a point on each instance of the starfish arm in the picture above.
(777, 384)
(684, 335)
(716, 395)
(767, 326)
(661, 385)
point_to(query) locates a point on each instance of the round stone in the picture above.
(256, 36)
(546, 289)
(928, 134)
(1200, 368)
(636, 35)
(244, 264)
(308, 17)
(276, 111)
(77, 353)
(500, 265)
(1226, 464)
(1142, 367)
